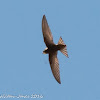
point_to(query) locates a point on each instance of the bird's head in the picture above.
(45, 51)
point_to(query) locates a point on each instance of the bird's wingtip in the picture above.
(59, 81)
(43, 16)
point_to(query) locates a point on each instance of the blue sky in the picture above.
(24, 70)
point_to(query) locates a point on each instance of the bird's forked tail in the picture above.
(63, 50)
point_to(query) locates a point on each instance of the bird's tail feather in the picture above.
(63, 50)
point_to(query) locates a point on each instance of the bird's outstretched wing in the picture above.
(48, 39)
(55, 66)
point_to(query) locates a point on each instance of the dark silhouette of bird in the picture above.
(52, 49)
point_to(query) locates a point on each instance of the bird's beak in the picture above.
(42, 52)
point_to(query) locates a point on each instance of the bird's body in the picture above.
(52, 49)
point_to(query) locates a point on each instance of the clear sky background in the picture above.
(24, 70)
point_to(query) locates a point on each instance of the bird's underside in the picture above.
(52, 49)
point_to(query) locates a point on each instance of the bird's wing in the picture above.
(54, 66)
(48, 39)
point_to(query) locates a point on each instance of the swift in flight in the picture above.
(52, 49)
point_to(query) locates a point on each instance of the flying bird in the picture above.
(52, 49)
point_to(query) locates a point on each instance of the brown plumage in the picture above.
(52, 49)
